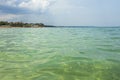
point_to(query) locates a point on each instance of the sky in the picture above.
(62, 12)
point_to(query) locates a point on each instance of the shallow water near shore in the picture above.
(60, 54)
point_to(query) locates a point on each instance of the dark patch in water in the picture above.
(109, 50)
(82, 52)
(113, 60)
(115, 38)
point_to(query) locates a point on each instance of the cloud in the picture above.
(24, 6)
(10, 3)
(4, 17)
(12, 10)
(35, 5)
(24, 9)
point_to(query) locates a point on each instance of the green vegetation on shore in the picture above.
(20, 24)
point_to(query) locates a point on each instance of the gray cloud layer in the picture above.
(24, 6)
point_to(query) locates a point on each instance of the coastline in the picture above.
(21, 27)
(6, 24)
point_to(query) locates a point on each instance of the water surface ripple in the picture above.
(60, 54)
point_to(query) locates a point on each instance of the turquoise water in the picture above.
(60, 54)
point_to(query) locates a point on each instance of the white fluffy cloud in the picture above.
(35, 4)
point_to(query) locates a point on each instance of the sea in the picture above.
(67, 53)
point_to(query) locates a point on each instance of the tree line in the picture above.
(20, 24)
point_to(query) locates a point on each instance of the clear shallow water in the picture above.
(60, 54)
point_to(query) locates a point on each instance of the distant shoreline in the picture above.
(20, 27)
(5, 24)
